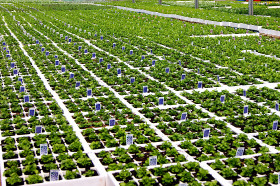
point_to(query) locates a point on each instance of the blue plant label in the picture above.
(119, 71)
(108, 66)
(112, 122)
(145, 89)
(97, 106)
(26, 99)
(180, 63)
(277, 106)
(63, 68)
(244, 93)
(89, 92)
(101, 37)
(240, 151)
(114, 45)
(218, 78)
(79, 47)
(22, 89)
(56, 62)
(43, 149)
(275, 125)
(56, 56)
(93, 55)
(71, 75)
(161, 101)
(20, 79)
(167, 70)
(153, 161)
(54, 175)
(246, 109)
(37, 42)
(70, 40)
(100, 60)
(142, 57)
(131, 52)
(199, 84)
(129, 139)
(222, 99)
(43, 49)
(183, 76)
(153, 63)
(123, 48)
(132, 80)
(78, 83)
(31, 112)
(184, 116)
(206, 133)
(38, 129)
(86, 51)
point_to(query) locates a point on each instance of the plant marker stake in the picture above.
(43, 149)
(54, 175)
(108, 66)
(131, 52)
(145, 89)
(277, 106)
(222, 99)
(129, 139)
(206, 133)
(21, 89)
(31, 112)
(153, 63)
(26, 99)
(119, 71)
(153, 161)
(89, 92)
(167, 70)
(38, 129)
(63, 69)
(71, 75)
(275, 125)
(20, 79)
(239, 151)
(132, 80)
(97, 106)
(100, 60)
(199, 84)
(112, 122)
(183, 76)
(56, 62)
(161, 101)
(184, 116)
(245, 110)
(78, 83)
(244, 93)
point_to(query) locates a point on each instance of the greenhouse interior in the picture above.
(139, 93)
